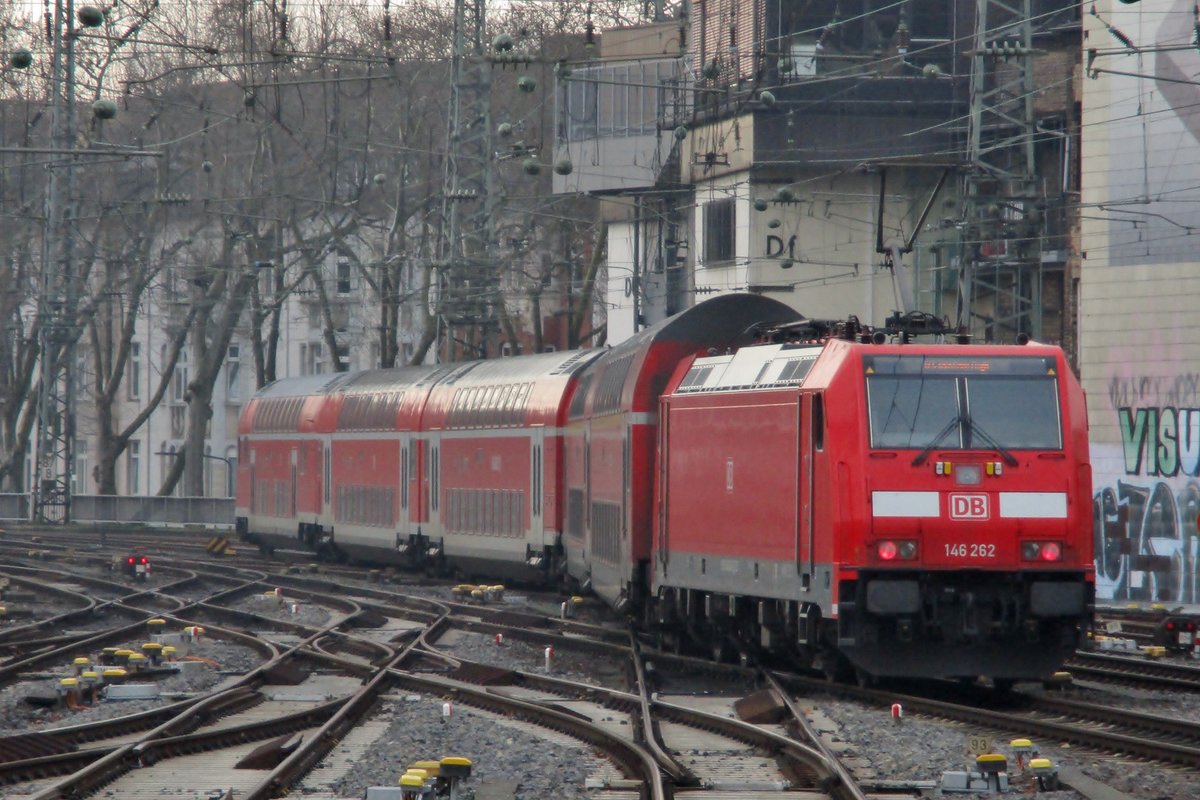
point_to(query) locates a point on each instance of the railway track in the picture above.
(670, 746)
(240, 724)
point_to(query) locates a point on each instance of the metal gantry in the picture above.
(59, 292)
(1000, 282)
(470, 278)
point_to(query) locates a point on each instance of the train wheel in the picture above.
(837, 667)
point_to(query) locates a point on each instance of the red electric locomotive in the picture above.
(898, 509)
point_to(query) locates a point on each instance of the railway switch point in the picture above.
(1046, 772)
(114, 675)
(455, 769)
(90, 681)
(68, 693)
(153, 651)
(1021, 748)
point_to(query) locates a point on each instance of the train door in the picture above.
(537, 477)
(587, 495)
(433, 485)
(405, 483)
(326, 479)
(804, 480)
(292, 492)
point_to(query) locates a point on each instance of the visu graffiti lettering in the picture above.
(1160, 441)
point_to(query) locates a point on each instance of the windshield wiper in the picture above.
(990, 441)
(954, 422)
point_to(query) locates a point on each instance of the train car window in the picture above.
(1016, 412)
(1008, 402)
(504, 405)
(911, 413)
(579, 400)
(818, 421)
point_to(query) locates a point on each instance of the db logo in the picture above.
(969, 506)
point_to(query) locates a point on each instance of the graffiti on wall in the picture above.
(1145, 517)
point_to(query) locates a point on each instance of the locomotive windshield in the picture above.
(995, 403)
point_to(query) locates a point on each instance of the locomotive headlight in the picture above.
(892, 550)
(1041, 551)
(968, 475)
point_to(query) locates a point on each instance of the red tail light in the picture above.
(131, 559)
(1041, 551)
(890, 550)
(145, 560)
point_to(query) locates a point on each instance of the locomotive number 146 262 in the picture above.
(971, 550)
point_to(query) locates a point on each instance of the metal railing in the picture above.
(214, 512)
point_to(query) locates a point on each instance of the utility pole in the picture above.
(470, 283)
(1000, 280)
(58, 298)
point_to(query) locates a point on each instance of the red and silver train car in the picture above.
(413, 465)
(612, 434)
(899, 509)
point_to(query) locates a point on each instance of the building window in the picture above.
(506, 349)
(133, 372)
(342, 357)
(133, 464)
(310, 359)
(343, 276)
(178, 421)
(233, 373)
(719, 219)
(81, 465)
(179, 380)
